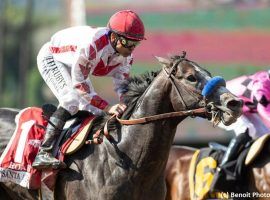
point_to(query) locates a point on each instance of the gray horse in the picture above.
(131, 164)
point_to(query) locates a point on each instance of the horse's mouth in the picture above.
(228, 118)
(221, 114)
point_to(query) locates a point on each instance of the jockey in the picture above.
(72, 54)
(254, 90)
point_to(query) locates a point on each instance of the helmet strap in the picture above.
(114, 42)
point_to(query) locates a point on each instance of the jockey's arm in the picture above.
(120, 76)
(82, 84)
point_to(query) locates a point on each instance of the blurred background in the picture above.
(228, 37)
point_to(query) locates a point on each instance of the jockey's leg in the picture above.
(57, 77)
(44, 158)
(236, 144)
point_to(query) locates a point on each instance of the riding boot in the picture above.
(236, 144)
(44, 158)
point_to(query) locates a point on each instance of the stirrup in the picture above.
(42, 166)
(39, 166)
(41, 163)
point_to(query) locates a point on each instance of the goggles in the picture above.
(128, 43)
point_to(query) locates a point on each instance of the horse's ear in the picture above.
(163, 61)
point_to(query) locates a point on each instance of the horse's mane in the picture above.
(132, 89)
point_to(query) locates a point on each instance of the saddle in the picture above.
(256, 149)
(16, 161)
(75, 132)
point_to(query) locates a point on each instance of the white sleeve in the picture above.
(240, 126)
(120, 76)
(81, 82)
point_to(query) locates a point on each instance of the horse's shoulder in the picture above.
(179, 154)
(179, 160)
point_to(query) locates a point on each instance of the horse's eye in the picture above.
(191, 78)
(174, 71)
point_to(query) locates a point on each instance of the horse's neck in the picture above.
(155, 100)
(150, 143)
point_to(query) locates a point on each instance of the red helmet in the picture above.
(128, 24)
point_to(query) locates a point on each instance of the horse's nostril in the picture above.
(235, 104)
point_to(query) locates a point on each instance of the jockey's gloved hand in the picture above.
(117, 109)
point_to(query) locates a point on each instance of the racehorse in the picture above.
(177, 174)
(130, 165)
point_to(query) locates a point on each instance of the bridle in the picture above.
(191, 90)
(188, 112)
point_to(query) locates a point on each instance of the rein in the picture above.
(97, 136)
(152, 118)
(143, 120)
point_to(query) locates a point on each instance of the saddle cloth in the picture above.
(209, 181)
(203, 166)
(16, 161)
